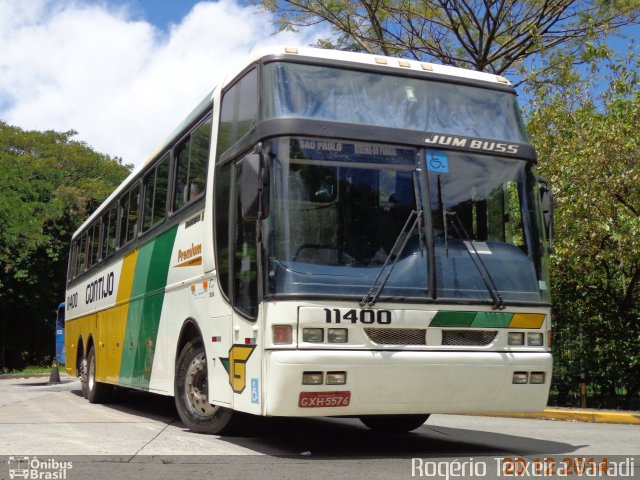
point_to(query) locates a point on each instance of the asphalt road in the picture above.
(140, 436)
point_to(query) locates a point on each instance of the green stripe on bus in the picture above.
(492, 320)
(149, 281)
(453, 319)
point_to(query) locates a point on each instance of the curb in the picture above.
(589, 416)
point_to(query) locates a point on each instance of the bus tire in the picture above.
(191, 394)
(394, 423)
(94, 391)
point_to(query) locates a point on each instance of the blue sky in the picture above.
(161, 13)
(122, 73)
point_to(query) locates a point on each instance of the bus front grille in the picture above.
(468, 338)
(397, 336)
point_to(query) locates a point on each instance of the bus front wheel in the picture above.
(192, 393)
(394, 423)
(94, 391)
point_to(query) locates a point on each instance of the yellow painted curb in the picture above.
(575, 415)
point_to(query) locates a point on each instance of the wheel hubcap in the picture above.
(91, 377)
(197, 388)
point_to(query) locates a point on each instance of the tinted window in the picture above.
(192, 158)
(245, 265)
(129, 215)
(239, 111)
(222, 192)
(155, 194)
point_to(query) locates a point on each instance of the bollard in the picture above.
(54, 378)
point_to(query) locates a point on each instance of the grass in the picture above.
(29, 370)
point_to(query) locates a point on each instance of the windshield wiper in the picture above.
(478, 263)
(371, 298)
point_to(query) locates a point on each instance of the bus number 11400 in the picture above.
(382, 317)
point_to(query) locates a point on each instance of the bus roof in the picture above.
(338, 56)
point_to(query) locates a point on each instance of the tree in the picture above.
(589, 145)
(486, 35)
(48, 185)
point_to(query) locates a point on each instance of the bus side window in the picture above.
(155, 194)
(132, 219)
(109, 220)
(160, 195)
(222, 205)
(82, 248)
(71, 269)
(192, 158)
(95, 245)
(181, 176)
(239, 111)
(123, 212)
(200, 147)
(245, 285)
(129, 215)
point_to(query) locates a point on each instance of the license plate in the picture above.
(324, 399)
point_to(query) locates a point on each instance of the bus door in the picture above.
(60, 350)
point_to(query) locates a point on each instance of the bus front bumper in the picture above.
(405, 382)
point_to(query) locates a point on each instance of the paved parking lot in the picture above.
(141, 435)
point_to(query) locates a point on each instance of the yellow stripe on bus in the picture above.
(527, 320)
(113, 323)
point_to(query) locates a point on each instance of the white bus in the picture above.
(326, 234)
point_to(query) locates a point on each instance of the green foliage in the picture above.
(48, 185)
(589, 145)
(487, 35)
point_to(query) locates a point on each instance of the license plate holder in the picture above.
(324, 399)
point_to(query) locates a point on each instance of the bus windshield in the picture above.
(338, 208)
(367, 98)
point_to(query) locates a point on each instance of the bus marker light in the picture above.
(516, 338)
(381, 61)
(520, 378)
(282, 334)
(338, 335)
(404, 63)
(426, 67)
(216, 339)
(313, 335)
(249, 341)
(535, 339)
(312, 378)
(537, 378)
(336, 378)
(549, 338)
(290, 50)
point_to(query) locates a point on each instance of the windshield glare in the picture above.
(337, 209)
(356, 97)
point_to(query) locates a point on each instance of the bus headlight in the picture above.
(336, 378)
(520, 378)
(338, 335)
(537, 378)
(313, 335)
(516, 338)
(535, 339)
(312, 378)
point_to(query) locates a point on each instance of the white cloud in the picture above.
(122, 84)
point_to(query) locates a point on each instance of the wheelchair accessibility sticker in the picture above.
(437, 161)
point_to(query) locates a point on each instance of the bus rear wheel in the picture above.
(192, 394)
(94, 391)
(394, 423)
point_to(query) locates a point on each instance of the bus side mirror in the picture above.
(546, 200)
(253, 187)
